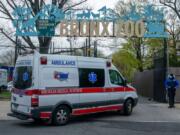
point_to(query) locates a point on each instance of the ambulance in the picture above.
(56, 87)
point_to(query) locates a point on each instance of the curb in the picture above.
(177, 106)
(4, 99)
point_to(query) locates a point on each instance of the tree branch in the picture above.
(7, 36)
(3, 7)
(75, 5)
(4, 18)
(9, 3)
(172, 5)
(29, 42)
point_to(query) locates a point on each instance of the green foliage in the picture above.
(173, 58)
(138, 53)
(153, 48)
(126, 63)
(5, 94)
(126, 59)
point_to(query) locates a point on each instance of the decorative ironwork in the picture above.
(46, 20)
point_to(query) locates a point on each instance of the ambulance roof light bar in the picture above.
(108, 64)
(43, 60)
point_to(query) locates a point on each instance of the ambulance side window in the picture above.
(91, 77)
(115, 77)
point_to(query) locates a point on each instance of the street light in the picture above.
(69, 39)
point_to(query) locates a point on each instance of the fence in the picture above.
(150, 83)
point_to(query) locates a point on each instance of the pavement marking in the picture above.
(156, 121)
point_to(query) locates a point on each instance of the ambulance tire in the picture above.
(61, 115)
(128, 107)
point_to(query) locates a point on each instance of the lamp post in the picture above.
(69, 39)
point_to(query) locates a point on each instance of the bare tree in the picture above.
(172, 4)
(6, 6)
(7, 58)
(173, 27)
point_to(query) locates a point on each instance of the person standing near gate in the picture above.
(171, 84)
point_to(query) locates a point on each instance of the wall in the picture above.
(150, 83)
(143, 82)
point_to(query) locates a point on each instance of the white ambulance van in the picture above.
(56, 87)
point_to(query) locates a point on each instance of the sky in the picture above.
(62, 42)
(96, 4)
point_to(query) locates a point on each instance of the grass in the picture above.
(5, 94)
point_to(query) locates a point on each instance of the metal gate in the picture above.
(159, 77)
(159, 93)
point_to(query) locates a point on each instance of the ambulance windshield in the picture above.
(22, 78)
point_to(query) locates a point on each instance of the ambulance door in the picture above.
(61, 84)
(117, 85)
(92, 82)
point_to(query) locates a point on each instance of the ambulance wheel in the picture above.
(61, 115)
(128, 107)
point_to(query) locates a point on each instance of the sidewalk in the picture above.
(4, 109)
(147, 101)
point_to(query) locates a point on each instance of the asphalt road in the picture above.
(148, 118)
(90, 126)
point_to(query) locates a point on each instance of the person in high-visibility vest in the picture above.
(171, 84)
